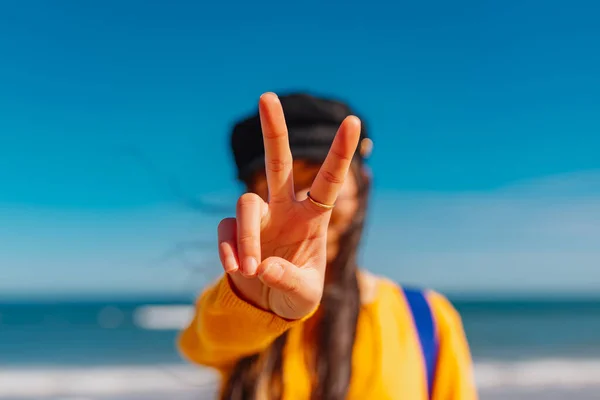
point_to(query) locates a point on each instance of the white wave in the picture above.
(161, 317)
(543, 373)
(49, 381)
(105, 381)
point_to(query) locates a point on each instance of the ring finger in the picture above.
(248, 232)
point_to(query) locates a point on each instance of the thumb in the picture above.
(280, 274)
(295, 292)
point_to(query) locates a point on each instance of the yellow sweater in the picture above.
(387, 361)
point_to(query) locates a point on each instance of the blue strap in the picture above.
(425, 326)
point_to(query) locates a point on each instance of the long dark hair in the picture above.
(259, 376)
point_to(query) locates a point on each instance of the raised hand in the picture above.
(275, 251)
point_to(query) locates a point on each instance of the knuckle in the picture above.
(247, 240)
(278, 165)
(274, 134)
(332, 178)
(341, 155)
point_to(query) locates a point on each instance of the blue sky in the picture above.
(484, 116)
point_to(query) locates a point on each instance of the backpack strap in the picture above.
(425, 325)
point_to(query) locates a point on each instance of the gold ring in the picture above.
(319, 204)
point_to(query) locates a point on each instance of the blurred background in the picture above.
(115, 170)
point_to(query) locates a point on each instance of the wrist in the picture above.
(240, 286)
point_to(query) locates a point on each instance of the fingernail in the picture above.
(266, 94)
(275, 270)
(264, 270)
(231, 265)
(250, 266)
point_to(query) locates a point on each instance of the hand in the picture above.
(275, 252)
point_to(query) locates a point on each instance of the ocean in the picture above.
(99, 349)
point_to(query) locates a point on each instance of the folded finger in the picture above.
(248, 217)
(227, 245)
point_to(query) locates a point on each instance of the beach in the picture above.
(125, 350)
(186, 382)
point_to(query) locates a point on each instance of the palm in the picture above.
(295, 234)
(286, 237)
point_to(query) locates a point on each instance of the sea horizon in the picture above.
(124, 347)
(455, 296)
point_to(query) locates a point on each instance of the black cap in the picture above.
(312, 124)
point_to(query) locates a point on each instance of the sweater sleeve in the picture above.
(226, 328)
(454, 374)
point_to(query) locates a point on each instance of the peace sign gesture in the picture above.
(275, 251)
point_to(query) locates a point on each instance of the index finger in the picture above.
(332, 174)
(278, 156)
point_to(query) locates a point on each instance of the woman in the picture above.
(294, 317)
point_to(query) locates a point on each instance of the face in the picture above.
(343, 212)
